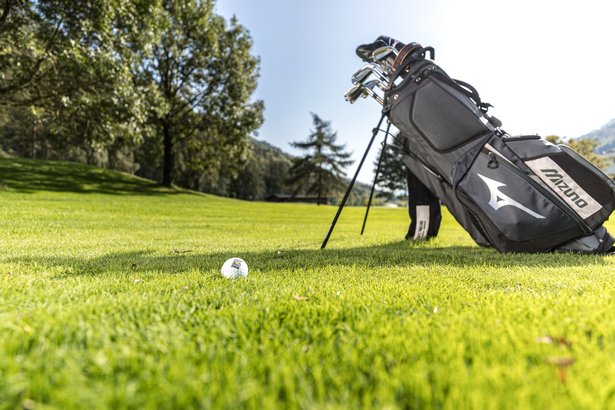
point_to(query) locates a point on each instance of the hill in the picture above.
(263, 147)
(23, 175)
(275, 162)
(605, 135)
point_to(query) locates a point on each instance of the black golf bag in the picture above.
(516, 194)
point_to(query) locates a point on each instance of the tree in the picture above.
(263, 174)
(6, 9)
(585, 147)
(104, 78)
(392, 175)
(204, 76)
(275, 177)
(320, 172)
(26, 42)
(66, 65)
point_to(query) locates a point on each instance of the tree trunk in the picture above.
(89, 154)
(319, 188)
(169, 155)
(111, 159)
(196, 181)
(33, 142)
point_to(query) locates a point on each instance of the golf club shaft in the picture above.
(373, 94)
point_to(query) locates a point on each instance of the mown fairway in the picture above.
(111, 297)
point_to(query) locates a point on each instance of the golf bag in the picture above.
(516, 194)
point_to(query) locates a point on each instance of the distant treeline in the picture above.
(265, 174)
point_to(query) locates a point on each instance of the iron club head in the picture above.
(353, 93)
(369, 89)
(381, 53)
(364, 72)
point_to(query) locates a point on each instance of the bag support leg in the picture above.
(354, 178)
(371, 193)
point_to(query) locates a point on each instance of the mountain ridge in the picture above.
(605, 136)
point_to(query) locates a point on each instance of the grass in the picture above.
(111, 297)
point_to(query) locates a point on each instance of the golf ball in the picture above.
(234, 268)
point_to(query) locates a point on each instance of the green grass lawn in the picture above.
(111, 297)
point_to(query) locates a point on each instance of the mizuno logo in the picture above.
(499, 199)
(558, 180)
(565, 187)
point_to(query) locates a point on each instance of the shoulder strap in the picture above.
(413, 52)
(471, 92)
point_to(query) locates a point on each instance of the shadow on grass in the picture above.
(29, 176)
(397, 254)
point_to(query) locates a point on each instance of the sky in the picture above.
(547, 67)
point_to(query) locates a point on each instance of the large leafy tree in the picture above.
(66, 65)
(168, 77)
(321, 171)
(204, 76)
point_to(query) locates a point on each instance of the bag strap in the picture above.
(413, 52)
(471, 92)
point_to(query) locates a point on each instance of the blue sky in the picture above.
(547, 66)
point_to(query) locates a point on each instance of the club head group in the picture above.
(379, 69)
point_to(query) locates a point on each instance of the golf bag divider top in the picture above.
(517, 194)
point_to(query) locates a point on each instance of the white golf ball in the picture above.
(234, 268)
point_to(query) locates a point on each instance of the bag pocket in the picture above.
(515, 212)
(443, 116)
(577, 182)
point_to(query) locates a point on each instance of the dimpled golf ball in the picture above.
(234, 268)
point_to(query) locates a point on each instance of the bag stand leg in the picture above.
(354, 178)
(371, 193)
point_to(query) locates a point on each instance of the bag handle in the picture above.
(409, 54)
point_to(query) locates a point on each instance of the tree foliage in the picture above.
(204, 76)
(65, 67)
(321, 171)
(263, 174)
(164, 86)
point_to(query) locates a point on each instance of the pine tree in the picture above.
(320, 171)
(392, 175)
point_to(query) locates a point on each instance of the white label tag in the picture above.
(564, 186)
(422, 222)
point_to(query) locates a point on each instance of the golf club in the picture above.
(353, 93)
(363, 90)
(381, 56)
(361, 75)
(368, 87)
(381, 53)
